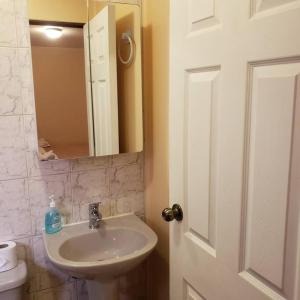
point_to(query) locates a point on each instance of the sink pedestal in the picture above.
(103, 290)
(104, 254)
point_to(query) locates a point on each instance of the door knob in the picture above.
(169, 214)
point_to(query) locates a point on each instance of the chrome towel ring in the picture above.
(127, 38)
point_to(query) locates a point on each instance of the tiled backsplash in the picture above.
(26, 183)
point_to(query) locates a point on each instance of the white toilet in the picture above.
(11, 282)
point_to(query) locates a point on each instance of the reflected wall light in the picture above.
(53, 32)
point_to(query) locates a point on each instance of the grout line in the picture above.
(16, 47)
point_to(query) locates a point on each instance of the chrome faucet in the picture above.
(94, 215)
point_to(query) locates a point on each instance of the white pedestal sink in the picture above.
(101, 255)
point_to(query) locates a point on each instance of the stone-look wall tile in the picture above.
(132, 202)
(25, 66)
(132, 286)
(30, 133)
(46, 275)
(65, 292)
(89, 187)
(22, 24)
(41, 168)
(126, 179)
(140, 162)
(12, 148)
(127, 188)
(7, 24)
(26, 80)
(89, 163)
(81, 290)
(25, 252)
(40, 188)
(126, 159)
(10, 85)
(28, 100)
(27, 296)
(14, 210)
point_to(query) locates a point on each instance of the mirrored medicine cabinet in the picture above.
(86, 58)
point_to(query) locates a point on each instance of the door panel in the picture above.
(201, 15)
(191, 294)
(234, 149)
(272, 111)
(272, 6)
(201, 106)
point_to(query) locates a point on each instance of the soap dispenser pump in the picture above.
(52, 218)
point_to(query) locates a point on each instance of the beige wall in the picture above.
(128, 17)
(95, 7)
(156, 58)
(60, 95)
(58, 10)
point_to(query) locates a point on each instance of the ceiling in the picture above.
(71, 38)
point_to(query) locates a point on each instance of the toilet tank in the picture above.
(12, 281)
(13, 294)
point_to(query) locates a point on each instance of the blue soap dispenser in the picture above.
(52, 218)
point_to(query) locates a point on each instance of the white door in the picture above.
(104, 81)
(235, 149)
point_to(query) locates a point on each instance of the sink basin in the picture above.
(119, 245)
(103, 244)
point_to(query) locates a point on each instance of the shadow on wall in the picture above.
(148, 97)
(126, 96)
(158, 263)
(128, 19)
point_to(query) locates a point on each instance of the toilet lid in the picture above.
(13, 278)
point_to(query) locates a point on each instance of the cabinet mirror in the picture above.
(86, 58)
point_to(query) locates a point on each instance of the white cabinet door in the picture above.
(235, 149)
(104, 81)
(88, 89)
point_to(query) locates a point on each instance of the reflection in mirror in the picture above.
(126, 31)
(87, 77)
(104, 86)
(60, 92)
(58, 59)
